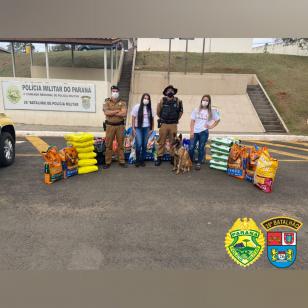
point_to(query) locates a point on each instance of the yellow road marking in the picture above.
(305, 144)
(281, 145)
(38, 143)
(293, 160)
(288, 154)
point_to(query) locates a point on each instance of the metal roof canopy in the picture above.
(108, 43)
(74, 41)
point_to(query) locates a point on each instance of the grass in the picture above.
(91, 59)
(284, 77)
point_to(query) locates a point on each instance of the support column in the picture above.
(72, 49)
(111, 55)
(202, 60)
(116, 58)
(105, 65)
(186, 49)
(46, 59)
(105, 71)
(169, 59)
(31, 55)
(13, 58)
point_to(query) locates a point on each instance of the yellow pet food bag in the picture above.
(79, 137)
(87, 162)
(265, 171)
(87, 169)
(87, 155)
(85, 150)
(81, 144)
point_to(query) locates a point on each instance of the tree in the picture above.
(300, 42)
(18, 47)
(246, 241)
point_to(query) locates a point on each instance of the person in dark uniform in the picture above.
(115, 111)
(169, 111)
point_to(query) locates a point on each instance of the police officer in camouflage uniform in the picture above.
(115, 111)
(169, 111)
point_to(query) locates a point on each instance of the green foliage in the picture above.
(301, 42)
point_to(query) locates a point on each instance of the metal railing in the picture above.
(120, 65)
(130, 95)
(132, 75)
(271, 103)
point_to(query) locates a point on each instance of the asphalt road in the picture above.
(146, 218)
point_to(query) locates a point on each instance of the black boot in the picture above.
(123, 165)
(137, 162)
(158, 161)
(172, 160)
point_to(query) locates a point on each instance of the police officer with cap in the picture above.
(115, 111)
(169, 111)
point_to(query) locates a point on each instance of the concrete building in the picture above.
(61, 95)
(238, 45)
(74, 96)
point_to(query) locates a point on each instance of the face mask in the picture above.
(115, 95)
(204, 103)
(145, 101)
(170, 94)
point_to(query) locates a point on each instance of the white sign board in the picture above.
(49, 95)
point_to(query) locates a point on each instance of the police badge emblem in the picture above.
(244, 242)
(281, 245)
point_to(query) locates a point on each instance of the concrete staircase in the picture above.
(265, 111)
(124, 83)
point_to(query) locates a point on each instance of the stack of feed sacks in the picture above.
(220, 148)
(84, 144)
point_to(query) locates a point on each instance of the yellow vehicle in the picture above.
(7, 140)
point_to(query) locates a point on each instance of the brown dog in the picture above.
(182, 162)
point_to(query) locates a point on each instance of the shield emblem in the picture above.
(289, 238)
(281, 248)
(244, 242)
(245, 248)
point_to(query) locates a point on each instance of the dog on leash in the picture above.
(182, 162)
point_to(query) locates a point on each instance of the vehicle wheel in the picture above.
(7, 149)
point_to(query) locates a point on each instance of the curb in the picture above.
(38, 133)
(267, 137)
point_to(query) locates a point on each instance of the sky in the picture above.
(256, 42)
(262, 41)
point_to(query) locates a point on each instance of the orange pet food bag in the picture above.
(53, 169)
(237, 161)
(254, 153)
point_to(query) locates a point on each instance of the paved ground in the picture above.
(237, 112)
(144, 218)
